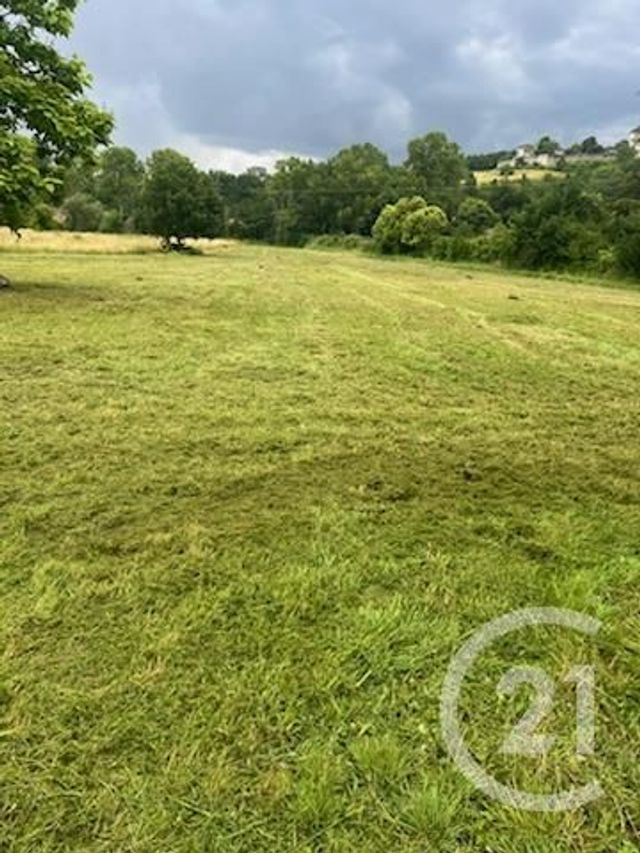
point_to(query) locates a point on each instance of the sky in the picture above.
(236, 83)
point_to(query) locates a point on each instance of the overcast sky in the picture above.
(240, 82)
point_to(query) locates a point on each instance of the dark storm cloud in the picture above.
(295, 75)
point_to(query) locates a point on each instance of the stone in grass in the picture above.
(4, 282)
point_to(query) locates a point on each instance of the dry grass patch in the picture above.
(66, 241)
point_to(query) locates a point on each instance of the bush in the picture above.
(421, 227)
(409, 226)
(606, 261)
(456, 248)
(475, 216)
(347, 242)
(43, 218)
(111, 222)
(387, 231)
(627, 245)
(495, 246)
(82, 213)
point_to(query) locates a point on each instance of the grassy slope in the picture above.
(251, 504)
(492, 176)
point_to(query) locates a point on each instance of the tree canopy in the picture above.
(441, 166)
(408, 226)
(476, 215)
(45, 120)
(547, 145)
(179, 201)
(118, 184)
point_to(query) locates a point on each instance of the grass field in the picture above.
(87, 243)
(252, 503)
(489, 177)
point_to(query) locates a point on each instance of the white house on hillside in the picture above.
(526, 156)
(526, 153)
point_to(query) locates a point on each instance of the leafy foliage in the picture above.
(476, 215)
(627, 243)
(178, 201)
(408, 226)
(45, 120)
(248, 207)
(488, 162)
(588, 146)
(82, 213)
(119, 181)
(583, 216)
(441, 166)
(547, 145)
(560, 227)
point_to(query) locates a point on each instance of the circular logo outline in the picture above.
(460, 666)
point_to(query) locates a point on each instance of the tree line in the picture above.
(585, 218)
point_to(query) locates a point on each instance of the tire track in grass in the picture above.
(475, 318)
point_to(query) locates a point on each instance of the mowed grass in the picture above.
(252, 503)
